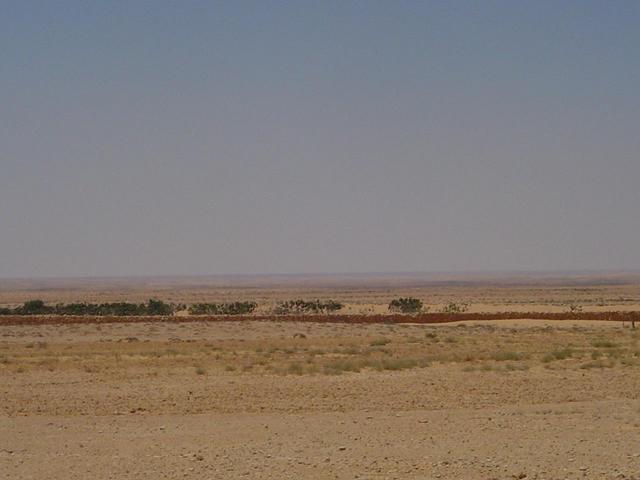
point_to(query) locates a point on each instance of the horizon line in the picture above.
(519, 272)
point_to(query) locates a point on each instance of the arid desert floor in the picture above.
(272, 400)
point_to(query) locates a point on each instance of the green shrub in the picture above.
(300, 306)
(405, 305)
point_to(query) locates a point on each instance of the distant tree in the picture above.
(33, 307)
(405, 305)
(158, 307)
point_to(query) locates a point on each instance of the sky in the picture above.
(199, 137)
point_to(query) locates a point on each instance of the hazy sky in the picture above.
(209, 137)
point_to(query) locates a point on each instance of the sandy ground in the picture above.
(591, 439)
(528, 399)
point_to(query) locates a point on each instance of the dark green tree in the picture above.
(405, 305)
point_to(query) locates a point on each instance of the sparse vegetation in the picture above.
(575, 308)
(351, 370)
(229, 308)
(299, 306)
(507, 356)
(455, 307)
(597, 364)
(602, 343)
(298, 350)
(560, 354)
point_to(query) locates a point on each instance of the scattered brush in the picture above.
(506, 356)
(561, 354)
(602, 343)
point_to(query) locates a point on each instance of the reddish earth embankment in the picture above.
(424, 318)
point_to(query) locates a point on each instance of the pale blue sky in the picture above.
(143, 138)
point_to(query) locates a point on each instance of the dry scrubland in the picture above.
(256, 399)
(362, 295)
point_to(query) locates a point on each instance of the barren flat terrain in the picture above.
(273, 399)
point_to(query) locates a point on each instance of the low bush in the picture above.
(406, 305)
(307, 307)
(230, 308)
(506, 356)
(561, 354)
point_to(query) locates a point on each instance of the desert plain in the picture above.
(280, 398)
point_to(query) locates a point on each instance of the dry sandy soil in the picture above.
(285, 400)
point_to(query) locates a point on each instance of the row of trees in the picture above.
(158, 307)
(38, 307)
